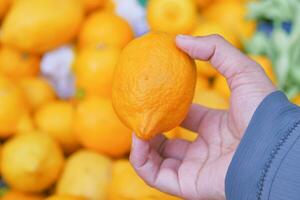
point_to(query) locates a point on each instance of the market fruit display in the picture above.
(56, 118)
(124, 175)
(65, 197)
(16, 195)
(150, 94)
(37, 91)
(233, 17)
(212, 99)
(78, 77)
(91, 5)
(94, 69)
(172, 16)
(86, 174)
(12, 106)
(98, 128)
(4, 6)
(105, 28)
(31, 162)
(16, 64)
(25, 124)
(48, 24)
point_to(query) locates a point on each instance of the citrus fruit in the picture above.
(266, 64)
(16, 65)
(37, 91)
(220, 85)
(91, 5)
(172, 16)
(4, 5)
(56, 118)
(37, 26)
(202, 83)
(94, 69)
(16, 195)
(97, 127)
(232, 15)
(25, 124)
(186, 134)
(86, 174)
(12, 106)
(154, 85)
(204, 3)
(31, 162)
(296, 100)
(171, 134)
(126, 184)
(204, 68)
(181, 133)
(207, 27)
(105, 28)
(65, 197)
(211, 98)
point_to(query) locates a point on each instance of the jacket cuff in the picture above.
(273, 128)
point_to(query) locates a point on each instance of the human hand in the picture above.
(197, 170)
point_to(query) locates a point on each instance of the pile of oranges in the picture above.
(76, 148)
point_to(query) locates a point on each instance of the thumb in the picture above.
(246, 79)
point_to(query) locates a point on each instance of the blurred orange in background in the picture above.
(98, 128)
(105, 28)
(172, 16)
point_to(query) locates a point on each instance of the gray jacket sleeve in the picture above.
(266, 164)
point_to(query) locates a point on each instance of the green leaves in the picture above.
(281, 47)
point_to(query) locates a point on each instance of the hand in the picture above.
(197, 170)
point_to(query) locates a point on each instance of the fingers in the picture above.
(175, 148)
(157, 162)
(200, 118)
(228, 60)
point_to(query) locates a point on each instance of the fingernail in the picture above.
(184, 36)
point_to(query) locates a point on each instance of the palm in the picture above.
(197, 170)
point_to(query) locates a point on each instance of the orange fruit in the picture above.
(25, 124)
(232, 15)
(296, 100)
(202, 83)
(211, 98)
(56, 118)
(266, 64)
(65, 197)
(186, 134)
(94, 69)
(31, 162)
(181, 133)
(154, 85)
(105, 28)
(37, 91)
(207, 27)
(86, 174)
(97, 127)
(37, 26)
(16, 195)
(172, 16)
(13, 107)
(16, 65)
(221, 86)
(204, 68)
(204, 3)
(126, 184)
(4, 6)
(91, 5)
